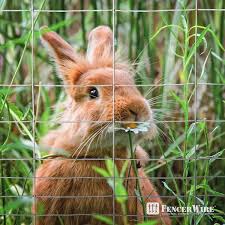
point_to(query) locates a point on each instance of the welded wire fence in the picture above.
(177, 51)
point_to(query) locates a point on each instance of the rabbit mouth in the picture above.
(133, 127)
(105, 132)
(142, 130)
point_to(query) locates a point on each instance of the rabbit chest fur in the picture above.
(70, 188)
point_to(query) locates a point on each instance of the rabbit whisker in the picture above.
(162, 133)
(83, 143)
(93, 137)
(86, 141)
(104, 133)
(97, 134)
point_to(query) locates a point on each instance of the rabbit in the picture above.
(62, 194)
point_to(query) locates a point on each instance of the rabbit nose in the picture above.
(131, 120)
(133, 116)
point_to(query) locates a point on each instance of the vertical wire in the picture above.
(195, 108)
(113, 101)
(33, 106)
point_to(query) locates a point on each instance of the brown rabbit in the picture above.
(67, 190)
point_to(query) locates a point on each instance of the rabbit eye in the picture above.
(93, 93)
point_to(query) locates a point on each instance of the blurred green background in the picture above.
(178, 54)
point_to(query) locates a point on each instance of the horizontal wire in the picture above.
(153, 10)
(210, 9)
(123, 159)
(15, 10)
(104, 196)
(108, 85)
(117, 215)
(97, 85)
(110, 10)
(92, 121)
(56, 10)
(167, 10)
(72, 10)
(108, 121)
(103, 178)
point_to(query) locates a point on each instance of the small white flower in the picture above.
(141, 127)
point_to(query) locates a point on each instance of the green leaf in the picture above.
(196, 45)
(121, 193)
(112, 168)
(216, 156)
(16, 110)
(138, 195)
(169, 189)
(15, 204)
(220, 218)
(105, 219)
(209, 189)
(177, 98)
(191, 152)
(101, 171)
(152, 222)
(124, 168)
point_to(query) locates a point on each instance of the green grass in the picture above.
(187, 74)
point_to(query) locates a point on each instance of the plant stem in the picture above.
(134, 165)
(131, 2)
(123, 206)
(3, 191)
(117, 18)
(83, 24)
(96, 20)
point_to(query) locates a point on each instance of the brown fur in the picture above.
(66, 187)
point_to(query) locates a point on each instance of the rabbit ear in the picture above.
(100, 44)
(61, 51)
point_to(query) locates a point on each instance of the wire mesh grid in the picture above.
(158, 158)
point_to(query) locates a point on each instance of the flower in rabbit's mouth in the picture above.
(135, 128)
